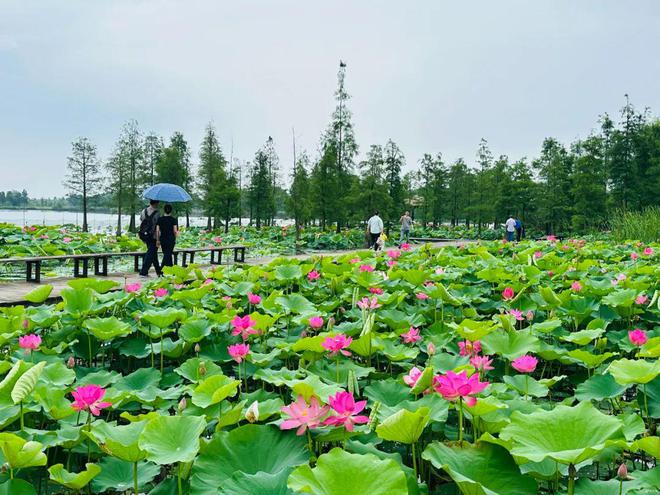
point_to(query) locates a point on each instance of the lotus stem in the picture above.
(571, 479)
(161, 351)
(414, 459)
(526, 385)
(310, 444)
(178, 480)
(135, 477)
(22, 420)
(89, 348)
(620, 487)
(337, 368)
(646, 405)
(460, 421)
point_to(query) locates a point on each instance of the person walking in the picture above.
(374, 228)
(510, 228)
(406, 225)
(147, 234)
(167, 230)
(519, 230)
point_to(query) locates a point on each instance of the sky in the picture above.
(433, 75)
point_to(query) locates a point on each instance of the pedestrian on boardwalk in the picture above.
(374, 229)
(147, 233)
(406, 225)
(510, 228)
(519, 230)
(167, 230)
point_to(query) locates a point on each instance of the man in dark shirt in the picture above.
(147, 233)
(167, 229)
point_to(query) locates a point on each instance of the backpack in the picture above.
(147, 227)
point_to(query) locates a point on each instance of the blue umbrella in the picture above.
(170, 193)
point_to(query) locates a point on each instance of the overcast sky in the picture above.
(432, 75)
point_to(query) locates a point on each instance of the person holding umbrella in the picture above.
(150, 235)
(147, 233)
(167, 230)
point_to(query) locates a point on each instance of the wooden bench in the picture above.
(431, 239)
(81, 261)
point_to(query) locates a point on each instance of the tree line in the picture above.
(567, 188)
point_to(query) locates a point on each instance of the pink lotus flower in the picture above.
(551, 238)
(648, 251)
(29, 342)
(551, 273)
(516, 314)
(422, 296)
(313, 275)
(366, 268)
(576, 286)
(338, 343)
(161, 292)
(439, 271)
(347, 409)
(354, 260)
(316, 322)
(452, 386)
(481, 363)
(638, 337)
(44, 236)
(130, 288)
(391, 263)
(508, 294)
(217, 240)
(621, 277)
(413, 375)
(530, 315)
(243, 326)
(641, 299)
(376, 290)
(207, 281)
(253, 298)
(634, 256)
(25, 323)
(405, 246)
(525, 364)
(468, 348)
(303, 416)
(411, 336)
(430, 349)
(394, 253)
(537, 254)
(367, 303)
(88, 398)
(66, 240)
(429, 283)
(238, 351)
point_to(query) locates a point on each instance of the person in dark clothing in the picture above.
(147, 233)
(519, 230)
(167, 230)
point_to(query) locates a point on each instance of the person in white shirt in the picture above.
(374, 228)
(510, 228)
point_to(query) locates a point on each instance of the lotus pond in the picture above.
(490, 368)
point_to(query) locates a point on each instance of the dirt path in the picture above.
(14, 292)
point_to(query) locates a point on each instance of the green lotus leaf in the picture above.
(250, 484)
(214, 389)
(190, 296)
(20, 453)
(74, 481)
(78, 302)
(53, 400)
(9, 381)
(546, 326)
(404, 426)
(313, 385)
(621, 298)
(510, 345)
(249, 449)
(170, 439)
(190, 369)
(651, 349)
(296, 304)
(310, 344)
(340, 473)
(17, 486)
(628, 371)
(423, 382)
(440, 292)
(163, 318)
(397, 319)
(26, 382)
(568, 435)
(599, 387)
(119, 441)
(39, 295)
(474, 330)
(100, 286)
(526, 385)
(550, 297)
(583, 337)
(650, 445)
(648, 397)
(117, 475)
(107, 328)
(57, 375)
(230, 414)
(482, 469)
(288, 273)
(587, 359)
(194, 330)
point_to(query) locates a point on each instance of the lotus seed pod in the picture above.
(202, 369)
(197, 348)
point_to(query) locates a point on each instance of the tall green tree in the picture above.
(458, 191)
(589, 183)
(433, 188)
(373, 190)
(261, 192)
(131, 151)
(394, 161)
(212, 178)
(482, 209)
(555, 167)
(84, 173)
(299, 204)
(522, 194)
(153, 147)
(118, 182)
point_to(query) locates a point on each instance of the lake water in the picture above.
(96, 221)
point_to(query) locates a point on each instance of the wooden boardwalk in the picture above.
(14, 292)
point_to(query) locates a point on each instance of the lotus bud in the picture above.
(601, 343)
(4, 468)
(373, 417)
(303, 334)
(201, 371)
(331, 323)
(622, 472)
(71, 363)
(430, 349)
(252, 413)
(183, 403)
(26, 323)
(197, 348)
